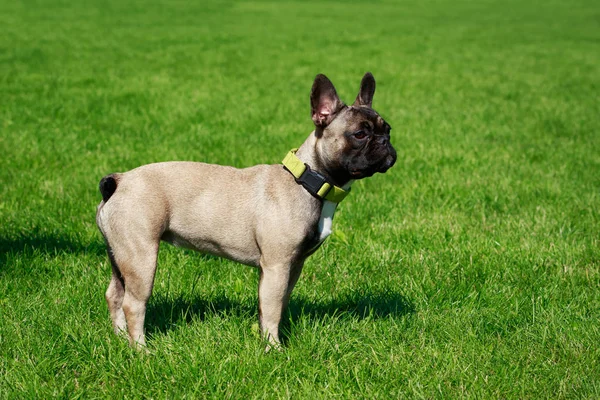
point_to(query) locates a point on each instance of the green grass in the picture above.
(470, 269)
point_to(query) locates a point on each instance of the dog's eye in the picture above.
(360, 135)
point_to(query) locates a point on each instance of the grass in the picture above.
(470, 269)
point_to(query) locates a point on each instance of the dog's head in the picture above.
(353, 142)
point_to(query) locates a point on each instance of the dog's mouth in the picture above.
(363, 173)
(382, 166)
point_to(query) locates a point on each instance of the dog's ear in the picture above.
(367, 90)
(324, 101)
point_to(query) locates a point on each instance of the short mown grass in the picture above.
(470, 269)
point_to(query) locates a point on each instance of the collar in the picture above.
(315, 183)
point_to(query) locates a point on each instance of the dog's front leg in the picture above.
(277, 280)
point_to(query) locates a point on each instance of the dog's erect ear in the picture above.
(367, 90)
(324, 101)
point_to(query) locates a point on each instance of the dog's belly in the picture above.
(245, 255)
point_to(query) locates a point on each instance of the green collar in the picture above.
(315, 183)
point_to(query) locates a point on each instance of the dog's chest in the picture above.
(324, 227)
(326, 220)
(325, 224)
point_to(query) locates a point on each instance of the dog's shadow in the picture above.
(38, 242)
(359, 304)
(50, 243)
(165, 312)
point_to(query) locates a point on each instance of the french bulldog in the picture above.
(268, 216)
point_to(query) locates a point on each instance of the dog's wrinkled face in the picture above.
(362, 141)
(353, 142)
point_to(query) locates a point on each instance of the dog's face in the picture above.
(353, 142)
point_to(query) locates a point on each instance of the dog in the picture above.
(268, 216)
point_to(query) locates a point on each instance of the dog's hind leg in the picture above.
(133, 258)
(114, 296)
(138, 267)
(132, 232)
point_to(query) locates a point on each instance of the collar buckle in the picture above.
(314, 182)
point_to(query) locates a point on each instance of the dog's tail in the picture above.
(108, 186)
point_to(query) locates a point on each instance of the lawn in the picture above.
(471, 269)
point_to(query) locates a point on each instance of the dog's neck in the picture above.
(308, 154)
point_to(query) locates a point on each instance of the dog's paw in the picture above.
(275, 346)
